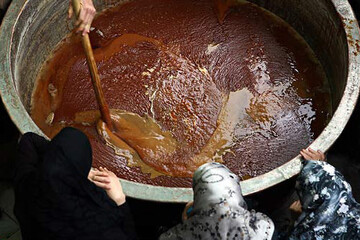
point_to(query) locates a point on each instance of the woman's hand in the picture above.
(86, 16)
(295, 209)
(310, 154)
(108, 181)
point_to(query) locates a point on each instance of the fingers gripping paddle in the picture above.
(104, 109)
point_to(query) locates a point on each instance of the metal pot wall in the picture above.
(31, 29)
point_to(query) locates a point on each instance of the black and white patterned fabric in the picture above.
(329, 209)
(219, 210)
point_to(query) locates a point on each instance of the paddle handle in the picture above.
(95, 78)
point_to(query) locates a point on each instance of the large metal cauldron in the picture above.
(31, 29)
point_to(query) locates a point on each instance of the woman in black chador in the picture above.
(57, 196)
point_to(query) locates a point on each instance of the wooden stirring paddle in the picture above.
(104, 109)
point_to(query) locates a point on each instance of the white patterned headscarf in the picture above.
(219, 210)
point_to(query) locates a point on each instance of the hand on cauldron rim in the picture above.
(108, 181)
(310, 154)
(86, 16)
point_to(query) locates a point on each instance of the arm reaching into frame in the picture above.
(86, 16)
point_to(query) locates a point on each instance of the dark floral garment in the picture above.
(329, 210)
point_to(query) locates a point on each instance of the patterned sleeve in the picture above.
(329, 210)
(319, 182)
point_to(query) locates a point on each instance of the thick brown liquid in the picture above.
(218, 82)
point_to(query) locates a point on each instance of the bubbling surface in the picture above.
(188, 82)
